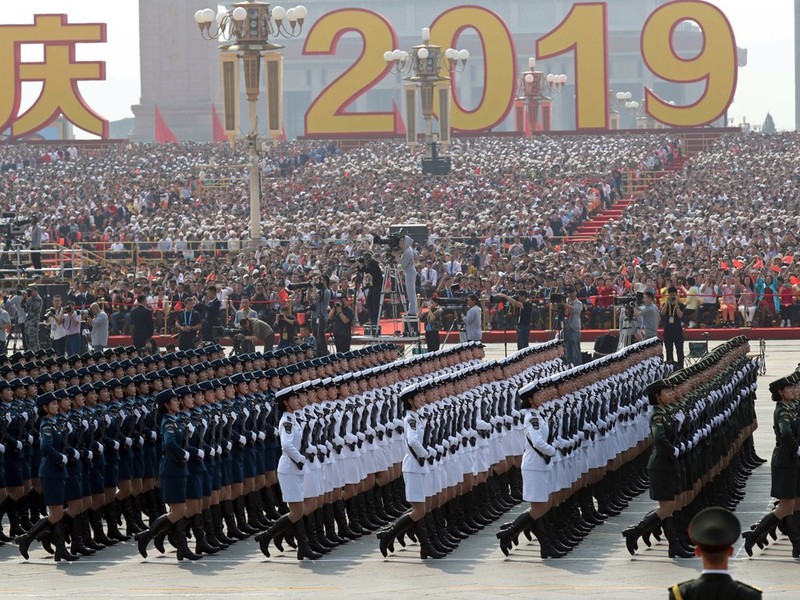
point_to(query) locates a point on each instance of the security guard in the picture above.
(714, 531)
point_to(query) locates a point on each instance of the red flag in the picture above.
(776, 268)
(399, 124)
(794, 280)
(723, 264)
(788, 259)
(623, 269)
(163, 132)
(219, 130)
(758, 264)
(738, 264)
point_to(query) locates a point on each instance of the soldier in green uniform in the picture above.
(784, 466)
(663, 471)
(714, 531)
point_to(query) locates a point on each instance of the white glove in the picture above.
(229, 446)
(108, 419)
(2, 449)
(201, 455)
(253, 436)
(85, 424)
(219, 449)
(100, 449)
(246, 413)
(64, 459)
(30, 439)
(186, 455)
(153, 435)
(190, 427)
(141, 441)
(128, 442)
(321, 448)
(262, 436)
(75, 454)
(676, 452)
(350, 439)
(19, 445)
(116, 445)
(212, 453)
(242, 440)
(360, 435)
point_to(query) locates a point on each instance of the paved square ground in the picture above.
(599, 568)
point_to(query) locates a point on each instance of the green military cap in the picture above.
(714, 529)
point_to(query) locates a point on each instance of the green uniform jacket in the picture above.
(662, 455)
(715, 586)
(785, 453)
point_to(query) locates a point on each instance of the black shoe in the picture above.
(25, 540)
(426, 549)
(329, 521)
(282, 524)
(340, 516)
(507, 535)
(230, 521)
(161, 525)
(201, 542)
(754, 536)
(61, 552)
(387, 536)
(182, 546)
(303, 549)
(632, 534)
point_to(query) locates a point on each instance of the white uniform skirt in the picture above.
(536, 485)
(312, 482)
(291, 486)
(415, 486)
(350, 469)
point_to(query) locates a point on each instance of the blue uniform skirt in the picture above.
(237, 465)
(216, 474)
(54, 484)
(249, 462)
(137, 463)
(74, 484)
(227, 469)
(150, 463)
(173, 489)
(13, 469)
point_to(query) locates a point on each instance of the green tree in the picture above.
(769, 125)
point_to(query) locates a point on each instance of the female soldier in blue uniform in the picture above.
(53, 476)
(174, 473)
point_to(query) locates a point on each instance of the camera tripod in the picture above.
(395, 282)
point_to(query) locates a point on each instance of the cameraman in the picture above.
(373, 282)
(341, 318)
(286, 327)
(54, 317)
(257, 332)
(649, 316)
(98, 319)
(671, 321)
(472, 320)
(320, 313)
(572, 327)
(433, 322)
(524, 317)
(72, 329)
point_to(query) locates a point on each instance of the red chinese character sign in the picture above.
(59, 72)
(583, 34)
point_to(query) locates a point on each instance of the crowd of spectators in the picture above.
(497, 223)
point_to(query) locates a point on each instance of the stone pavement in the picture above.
(599, 568)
